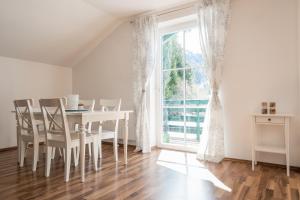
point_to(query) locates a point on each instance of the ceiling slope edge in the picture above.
(85, 51)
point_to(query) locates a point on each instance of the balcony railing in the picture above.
(183, 120)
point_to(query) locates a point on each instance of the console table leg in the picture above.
(253, 132)
(287, 146)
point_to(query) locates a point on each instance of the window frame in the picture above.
(192, 23)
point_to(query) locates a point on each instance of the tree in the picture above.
(173, 58)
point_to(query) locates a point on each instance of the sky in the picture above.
(191, 40)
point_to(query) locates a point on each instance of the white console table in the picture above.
(271, 120)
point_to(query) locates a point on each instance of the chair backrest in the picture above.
(88, 104)
(65, 101)
(25, 117)
(111, 105)
(55, 120)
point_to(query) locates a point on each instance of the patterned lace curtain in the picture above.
(213, 20)
(144, 38)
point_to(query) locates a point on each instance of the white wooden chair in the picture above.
(64, 99)
(29, 132)
(89, 105)
(58, 134)
(110, 105)
(75, 151)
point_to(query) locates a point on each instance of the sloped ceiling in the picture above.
(60, 32)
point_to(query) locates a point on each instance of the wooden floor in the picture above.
(162, 175)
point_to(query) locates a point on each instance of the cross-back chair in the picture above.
(110, 105)
(28, 131)
(64, 99)
(58, 134)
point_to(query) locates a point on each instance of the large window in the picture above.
(184, 89)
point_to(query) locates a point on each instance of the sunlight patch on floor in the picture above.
(187, 164)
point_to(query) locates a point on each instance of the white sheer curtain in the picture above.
(144, 38)
(213, 18)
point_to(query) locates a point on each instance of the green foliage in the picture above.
(173, 58)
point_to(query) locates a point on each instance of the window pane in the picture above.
(194, 117)
(173, 125)
(196, 84)
(192, 48)
(185, 88)
(196, 103)
(172, 50)
(173, 85)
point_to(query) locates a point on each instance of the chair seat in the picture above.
(89, 136)
(42, 137)
(61, 138)
(75, 136)
(40, 124)
(105, 134)
(29, 137)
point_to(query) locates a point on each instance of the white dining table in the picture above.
(84, 117)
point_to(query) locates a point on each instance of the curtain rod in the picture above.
(167, 11)
(175, 10)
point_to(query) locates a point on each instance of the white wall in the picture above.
(25, 79)
(260, 65)
(107, 72)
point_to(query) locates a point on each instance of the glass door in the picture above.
(184, 91)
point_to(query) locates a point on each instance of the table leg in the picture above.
(253, 134)
(18, 143)
(100, 139)
(95, 151)
(125, 139)
(82, 152)
(287, 145)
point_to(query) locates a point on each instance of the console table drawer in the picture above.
(271, 120)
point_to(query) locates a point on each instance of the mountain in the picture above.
(193, 59)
